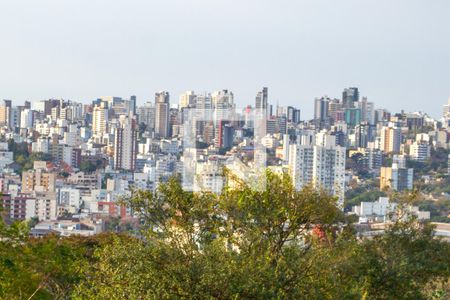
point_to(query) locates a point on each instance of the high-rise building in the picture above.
(261, 100)
(61, 153)
(321, 166)
(224, 135)
(420, 151)
(203, 101)
(162, 105)
(187, 99)
(282, 124)
(125, 144)
(248, 114)
(100, 118)
(14, 122)
(371, 159)
(174, 122)
(38, 180)
(26, 119)
(367, 111)
(204, 112)
(335, 110)
(352, 116)
(133, 100)
(5, 112)
(281, 111)
(362, 135)
(396, 178)
(381, 115)
(350, 97)
(414, 121)
(146, 115)
(391, 139)
(110, 100)
(321, 115)
(293, 115)
(223, 103)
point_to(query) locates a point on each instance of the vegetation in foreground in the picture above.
(276, 243)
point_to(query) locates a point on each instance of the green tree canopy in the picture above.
(268, 243)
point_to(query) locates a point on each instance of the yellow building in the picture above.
(37, 180)
(395, 178)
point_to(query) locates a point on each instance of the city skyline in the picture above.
(300, 50)
(176, 100)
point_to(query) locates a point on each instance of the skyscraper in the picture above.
(293, 115)
(162, 105)
(146, 115)
(26, 119)
(224, 135)
(391, 139)
(349, 97)
(203, 101)
(5, 112)
(361, 135)
(223, 103)
(133, 100)
(125, 144)
(321, 115)
(352, 116)
(367, 111)
(321, 166)
(187, 99)
(100, 118)
(261, 99)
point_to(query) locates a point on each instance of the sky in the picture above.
(396, 51)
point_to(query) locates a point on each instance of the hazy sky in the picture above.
(396, 51)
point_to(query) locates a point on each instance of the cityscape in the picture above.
(66, 165)
(192, 149)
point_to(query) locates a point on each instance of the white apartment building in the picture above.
(419, 151)
(383, 210)
(69, 197)
(125, 144)
(72, 139)
(321, 166)
(26, 119)
(43, 206)
(382, 207)
(209, 177)
(100, 119)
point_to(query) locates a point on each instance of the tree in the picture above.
(403, 263)
(273, 242)
(87, 166)
(244, 243)
(267, 242)
(43, 268)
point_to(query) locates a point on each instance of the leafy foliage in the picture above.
(436, 164)
(23, 157)
(89, 166)
(275, 242)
